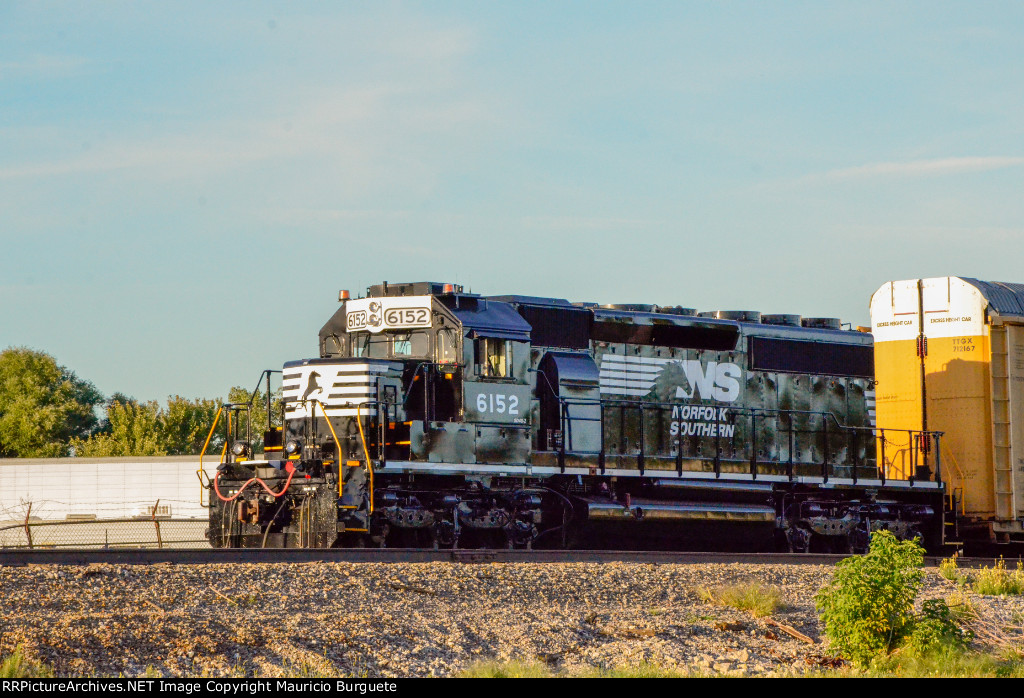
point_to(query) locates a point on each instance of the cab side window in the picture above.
(493, 356)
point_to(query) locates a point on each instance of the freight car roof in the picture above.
(1004, 298)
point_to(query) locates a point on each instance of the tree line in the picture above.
(46, 411)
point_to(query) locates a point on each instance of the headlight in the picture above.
(292, 447)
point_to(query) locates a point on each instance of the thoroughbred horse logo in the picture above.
(376, 318)
(313, 388)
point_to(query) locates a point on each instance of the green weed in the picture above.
(998, 581)
(754, 598)
(948, 662)
(936, 630)
(948, 569)
(17, 666)
(644, 670)
(492, 669)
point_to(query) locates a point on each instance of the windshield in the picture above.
(391, 345)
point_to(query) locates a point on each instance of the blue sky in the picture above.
(184, 187)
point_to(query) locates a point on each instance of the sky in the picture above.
(186, 186)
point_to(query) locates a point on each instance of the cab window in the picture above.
(447, 347)
(493, 356)
(369, 346)
(410, 344)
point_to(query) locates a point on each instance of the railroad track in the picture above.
(148, 556)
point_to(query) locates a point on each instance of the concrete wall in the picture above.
(59, 488)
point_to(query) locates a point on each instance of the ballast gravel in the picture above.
(412, 620)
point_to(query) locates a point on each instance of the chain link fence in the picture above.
(105, 534)
(154, 529)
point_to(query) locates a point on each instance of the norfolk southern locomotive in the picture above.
(439, 418)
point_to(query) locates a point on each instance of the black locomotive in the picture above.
(439, 418)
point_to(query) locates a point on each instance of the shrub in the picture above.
(935, 629)
(868, 607)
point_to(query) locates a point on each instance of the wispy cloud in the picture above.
(357, 127)
(924, 168)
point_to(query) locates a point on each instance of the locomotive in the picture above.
(435, 417)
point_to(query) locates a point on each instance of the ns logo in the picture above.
(718, 381)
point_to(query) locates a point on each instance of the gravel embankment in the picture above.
(397, 620)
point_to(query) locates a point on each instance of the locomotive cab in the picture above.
(447, 374)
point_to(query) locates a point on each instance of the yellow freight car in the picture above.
(949, 356)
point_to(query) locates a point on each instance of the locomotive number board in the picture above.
(378, 314)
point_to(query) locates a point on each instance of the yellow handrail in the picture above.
(200, 472)
(337, 444)
(366, 452)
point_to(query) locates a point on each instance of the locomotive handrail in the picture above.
(337, 444)
(547, 381)
(252, 397)
(918, 440)
(200, 472)
(407, 389)
(366, 452)
(644, 404)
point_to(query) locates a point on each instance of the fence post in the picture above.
(159, 540)
(28, 531)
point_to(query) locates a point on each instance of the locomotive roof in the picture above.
(497, 316)
(487, 318)
(530, 300)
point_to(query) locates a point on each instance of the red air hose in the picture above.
(289, 468)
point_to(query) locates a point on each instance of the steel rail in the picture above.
(148, 556)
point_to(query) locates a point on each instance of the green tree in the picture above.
(135, 429)
(185, 424)
(43, 406)
(132, 428)
(868, 607)
(104, 425)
